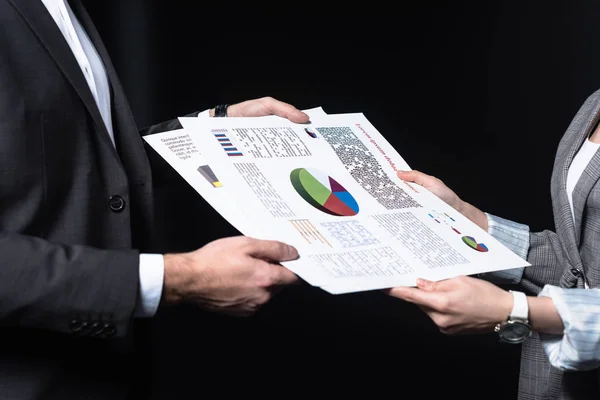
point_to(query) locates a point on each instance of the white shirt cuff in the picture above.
(152, 275)
(204, 114)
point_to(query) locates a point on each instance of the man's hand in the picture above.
(263, 107)
(234, 276)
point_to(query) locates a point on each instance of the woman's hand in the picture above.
(434, 185)
(459, 305)
(437, 187)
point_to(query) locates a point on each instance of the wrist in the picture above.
(506, 306)
(515, 328)
(544, 316)
(465, 208)
(176, 278)
(219, 111)
(474, 214)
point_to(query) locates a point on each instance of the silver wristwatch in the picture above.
(516, 328)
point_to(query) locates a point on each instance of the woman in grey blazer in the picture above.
(556, 316)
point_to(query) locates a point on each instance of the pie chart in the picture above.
(323, 192)
(472, 243)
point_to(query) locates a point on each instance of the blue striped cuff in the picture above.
(578, 349)
(513, 235)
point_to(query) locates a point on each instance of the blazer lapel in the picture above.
(567, 227)
(126, 132)
(40, 21)
(127, 137)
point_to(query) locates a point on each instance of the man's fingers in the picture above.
(286, 110)
(271, 250)
(268, 251)
(283, 276)
(267, 106)
(273, 275)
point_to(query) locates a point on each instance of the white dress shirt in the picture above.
(151, 266)
(580, 161)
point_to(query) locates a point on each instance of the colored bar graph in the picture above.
(226, 143)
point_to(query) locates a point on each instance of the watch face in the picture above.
(514, 332)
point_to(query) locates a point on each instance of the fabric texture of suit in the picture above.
(74, 214)
(566, 258)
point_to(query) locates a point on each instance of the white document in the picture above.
(330, 189)
(182, 153)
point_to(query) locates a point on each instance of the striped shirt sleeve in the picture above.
(578, 348)
(513, 235)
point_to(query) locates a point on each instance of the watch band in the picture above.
(520, 307)
(516, 328)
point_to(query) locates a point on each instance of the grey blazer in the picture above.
(74, 214)
(566, 258)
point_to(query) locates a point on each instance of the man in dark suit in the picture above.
(77, 245)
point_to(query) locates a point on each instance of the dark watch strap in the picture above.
(221, 110)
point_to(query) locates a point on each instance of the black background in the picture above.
(476, 93)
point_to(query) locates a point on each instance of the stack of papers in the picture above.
(329, 188)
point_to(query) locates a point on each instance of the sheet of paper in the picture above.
(182, 153)
(330, 189)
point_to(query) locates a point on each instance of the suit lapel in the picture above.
(126, 133)
(568, 228)
(42, 24)
(591, 173)
(127, 137)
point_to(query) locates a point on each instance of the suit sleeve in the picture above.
(162, 173)
(165, 126)
(76, 289)
(547, 261)
(578, 347)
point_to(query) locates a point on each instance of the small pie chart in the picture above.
(472, 243)
(311, 132)
(323, 192)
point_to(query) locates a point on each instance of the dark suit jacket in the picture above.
(74, 215)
